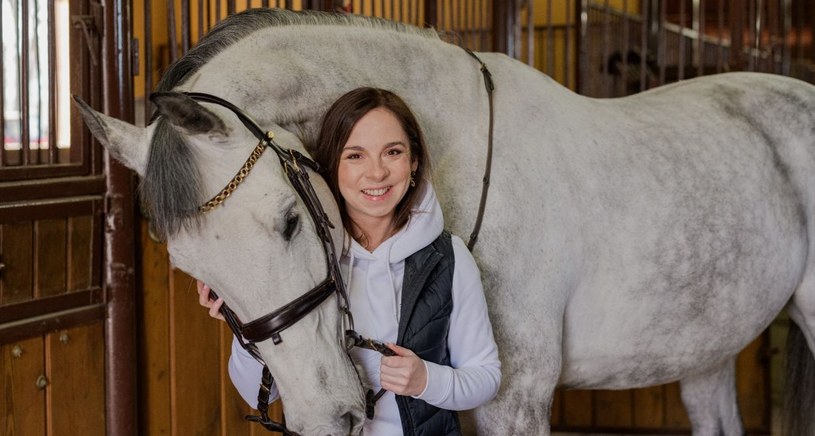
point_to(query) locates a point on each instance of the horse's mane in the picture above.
(171, 190)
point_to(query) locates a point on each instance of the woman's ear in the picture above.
(415, 164)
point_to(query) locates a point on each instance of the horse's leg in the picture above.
(799, 390)
(531, 370)
(710, 399)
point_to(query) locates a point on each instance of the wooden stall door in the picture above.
(55, 292)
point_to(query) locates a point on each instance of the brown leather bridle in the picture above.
(295, 166)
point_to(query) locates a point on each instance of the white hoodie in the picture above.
(374, 282)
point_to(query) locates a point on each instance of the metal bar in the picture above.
(201, 12)
(185, 26)
(120, 264)
(550, 41)
(680, 74)
(581, 75)
(2, 97)
(36, 136)
(148, 59)
(171, 31)
(53, 152)
(799, 29)
(626, 36)
(25, 138)
(699, 12)
(230, 7)
(644, 45)
(530, 33)
(786, 53)
(752, 32)
(606, 47)
(661, 50)
(720, 44)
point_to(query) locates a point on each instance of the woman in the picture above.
(377, 165)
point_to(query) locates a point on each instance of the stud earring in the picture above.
(412, 182)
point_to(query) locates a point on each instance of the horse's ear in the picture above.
(125, 142)
(187, 115)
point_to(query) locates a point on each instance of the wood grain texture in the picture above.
(50, 257)
(194, 361)
(22, 404)
(17, 254)
(154, 337)
(80, 252)
(76, 392)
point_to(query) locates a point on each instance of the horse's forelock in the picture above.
(171, 188)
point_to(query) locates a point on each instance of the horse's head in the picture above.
(259, 249)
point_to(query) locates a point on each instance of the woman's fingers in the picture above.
(214, 306)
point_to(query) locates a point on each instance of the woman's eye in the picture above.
(353, 156)
(394, 152)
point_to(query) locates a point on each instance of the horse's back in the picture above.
(687, 209)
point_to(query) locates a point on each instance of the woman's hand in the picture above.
(403, 374)
(214, 306)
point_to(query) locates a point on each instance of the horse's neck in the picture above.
(300, 72)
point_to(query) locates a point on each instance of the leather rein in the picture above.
(295, 166)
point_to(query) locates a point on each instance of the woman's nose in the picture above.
(378, 169)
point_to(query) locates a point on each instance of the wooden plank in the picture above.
(577, 408)
(752, 375)
(557, 409)
(76, 368)
(154, 341)
(80, 258)
(233, 407)
(194, 361)
(17, 254)
(50, 257)
(675, 415)
(649, 407)
(613, 409)
(22, 403)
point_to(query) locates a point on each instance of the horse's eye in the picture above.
(291, 226)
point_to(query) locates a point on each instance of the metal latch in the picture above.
(88, 25)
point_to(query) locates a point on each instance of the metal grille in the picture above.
(637, 45)
(40, 70)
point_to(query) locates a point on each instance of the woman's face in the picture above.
(374, 168)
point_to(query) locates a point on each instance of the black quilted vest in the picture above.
(427, 302)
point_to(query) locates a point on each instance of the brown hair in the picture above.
(336, 129)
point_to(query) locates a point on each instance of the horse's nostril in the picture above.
(354, 423)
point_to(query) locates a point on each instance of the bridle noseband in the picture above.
(295, 166)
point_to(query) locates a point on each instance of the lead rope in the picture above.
(488, 83)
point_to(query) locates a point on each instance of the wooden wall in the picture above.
(52, 379)
(659, 409)
(183, 353)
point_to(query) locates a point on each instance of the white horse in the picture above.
(626, 242)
